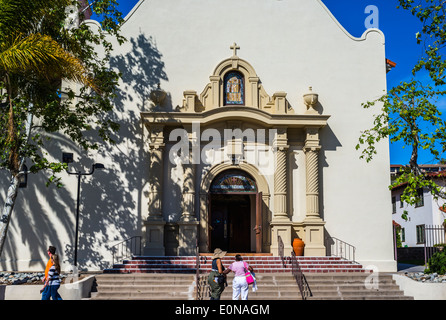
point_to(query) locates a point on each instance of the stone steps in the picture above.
(261, 264)
(138, 286)
(279, 286)
(166, 278)
(271, 286)
(155, 286)
(354, 286)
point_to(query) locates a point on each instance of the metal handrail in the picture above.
(301, 280)
(296, 271)
(126, 248)
(281, 250)
(343, 249)
(200, 282)
(197, 274)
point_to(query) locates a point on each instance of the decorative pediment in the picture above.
(234, 82)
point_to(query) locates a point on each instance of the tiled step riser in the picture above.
(259, 260)
(261, 264)
(124, 271)
(188, 271)
(256, 269)
(255, 266)
(191, 271)
(230, 259)
(146, 279)
(209, 264)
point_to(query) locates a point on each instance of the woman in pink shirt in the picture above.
(239, 284)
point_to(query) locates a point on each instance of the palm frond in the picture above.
(42, 55)
(25, 16)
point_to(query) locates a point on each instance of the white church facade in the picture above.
(239, 142)
(239, 122)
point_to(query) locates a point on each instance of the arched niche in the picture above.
(213, 96)
(254, 95)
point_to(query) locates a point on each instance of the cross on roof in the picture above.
(235, 47)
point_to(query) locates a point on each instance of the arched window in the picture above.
(234, 89)
(233, 181)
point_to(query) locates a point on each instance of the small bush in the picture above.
(437, 263)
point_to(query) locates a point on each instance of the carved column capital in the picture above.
(157, 146)
(312, 139)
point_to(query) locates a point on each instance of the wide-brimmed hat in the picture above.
(218, 253)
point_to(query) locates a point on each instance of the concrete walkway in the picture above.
(402, 267)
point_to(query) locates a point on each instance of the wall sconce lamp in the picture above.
(67, 157)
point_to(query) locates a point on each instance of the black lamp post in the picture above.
(68, 158)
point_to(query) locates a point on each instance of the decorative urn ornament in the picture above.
(311, 99)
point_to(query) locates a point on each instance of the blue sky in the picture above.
(399, 28)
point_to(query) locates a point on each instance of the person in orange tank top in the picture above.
(45, 292)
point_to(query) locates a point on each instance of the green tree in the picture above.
(43, 42)
(409, 113)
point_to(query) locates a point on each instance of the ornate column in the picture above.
(280, 175)
(281, 223)
(313, 224)
(311, 150)
(188, 195)
(204, 222)
(154, 224)
(188, 223)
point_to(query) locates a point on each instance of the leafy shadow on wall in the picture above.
(110, 199)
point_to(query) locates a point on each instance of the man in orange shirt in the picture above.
(46, 292)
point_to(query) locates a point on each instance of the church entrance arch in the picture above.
(235, 212)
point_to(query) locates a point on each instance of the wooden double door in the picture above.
(235, 222)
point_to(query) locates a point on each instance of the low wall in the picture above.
(421, 290)
(72, 291)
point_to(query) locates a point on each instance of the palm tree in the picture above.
(34, 56)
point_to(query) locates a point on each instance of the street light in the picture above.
(68, 158)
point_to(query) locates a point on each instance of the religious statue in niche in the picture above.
(234, 89)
